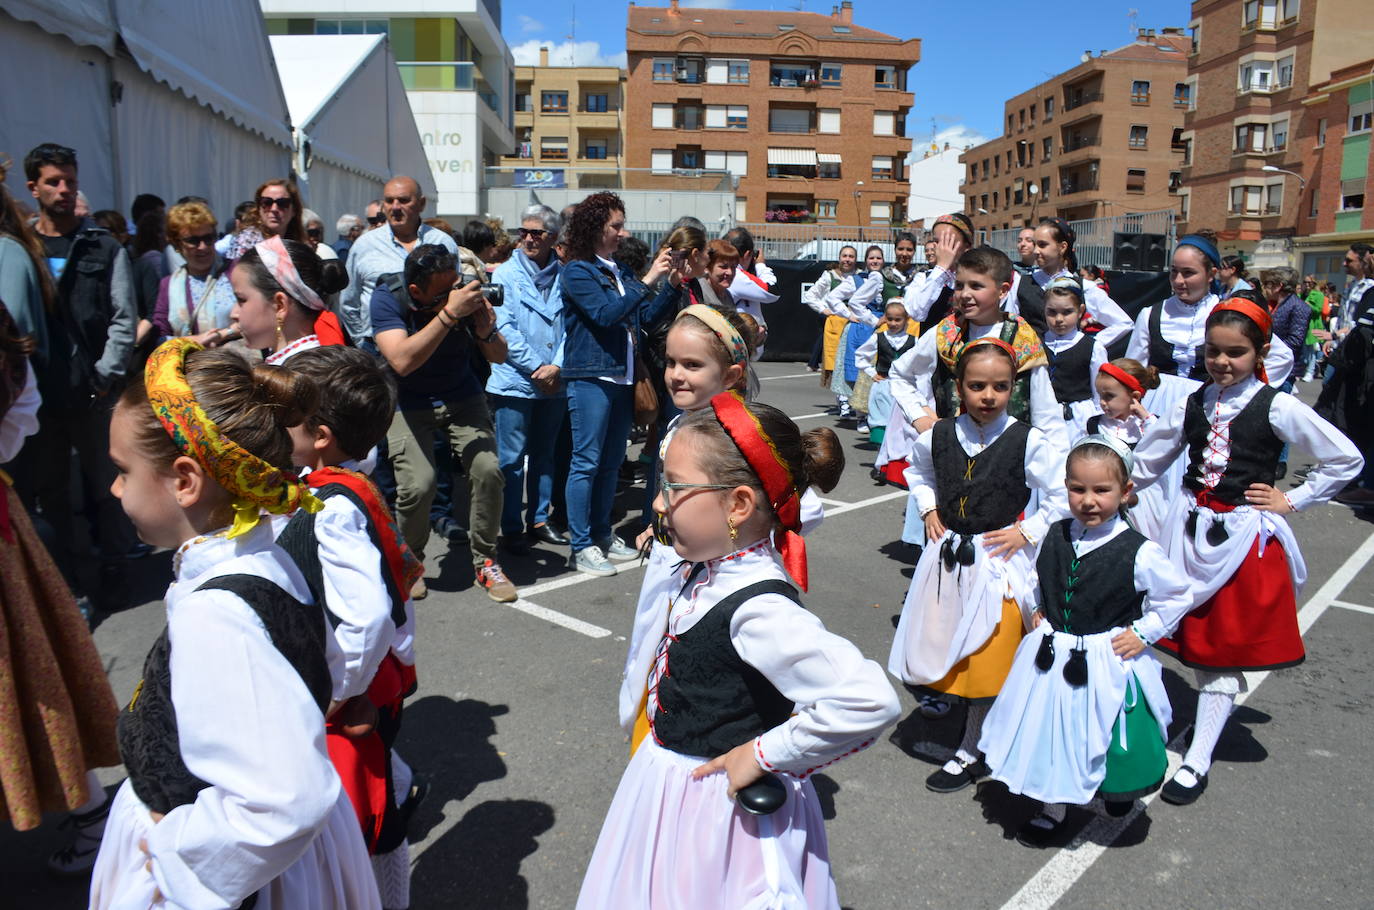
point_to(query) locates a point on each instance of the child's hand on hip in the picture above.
(738, 764)
(935, 528)
(1127, 644)
(1004, 543)
(1265, 498)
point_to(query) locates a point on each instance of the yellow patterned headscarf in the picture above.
(254, 484)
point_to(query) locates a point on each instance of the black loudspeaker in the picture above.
(1139, 252)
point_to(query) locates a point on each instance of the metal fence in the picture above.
(1095, 242)
(792, 241)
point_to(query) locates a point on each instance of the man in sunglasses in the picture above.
(382, 252)
(529, 404)
(374, 215)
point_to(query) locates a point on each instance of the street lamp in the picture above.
(1302, 183)
(1035, 198)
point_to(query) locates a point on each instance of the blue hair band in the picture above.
(1202, 245)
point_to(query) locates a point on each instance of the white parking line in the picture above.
(1356, 607)
(1067, 866)
(560, 619)
(808, 416)
(788, 376)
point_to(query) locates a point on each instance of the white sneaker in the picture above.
(592, 561)
(616, 548)
(862, 427)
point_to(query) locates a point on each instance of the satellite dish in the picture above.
(1087, 55)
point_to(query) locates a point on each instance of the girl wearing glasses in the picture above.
(971, 478)
(747, 690)
(197, 299)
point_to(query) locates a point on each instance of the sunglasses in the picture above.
(283, 202)
(376, 219)
(533, 233)
(199, 240)
(314, 232)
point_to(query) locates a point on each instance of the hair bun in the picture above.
(822, 458)
(292, 396)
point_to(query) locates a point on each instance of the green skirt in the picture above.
(1136, 760)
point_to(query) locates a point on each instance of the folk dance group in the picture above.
(259, 743)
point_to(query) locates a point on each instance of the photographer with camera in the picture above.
(429, 325)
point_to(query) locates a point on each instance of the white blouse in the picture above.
(815, 296)
(21, 420)
(867, 353)
(1167, 596)
(1108, 313)
(1044, 465)
(843, 700)
(1129, 429)
(248, 727)
(1338, 461)
(1184, 326)
(920, 295)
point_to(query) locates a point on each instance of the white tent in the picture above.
(354, 128)
(190, 104)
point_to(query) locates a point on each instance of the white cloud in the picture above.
(957, 135)
(566, 53)
(529, 24)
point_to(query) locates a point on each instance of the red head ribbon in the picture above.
(995, 342)
(748, 436)
(1256, 314)
(1122, 377)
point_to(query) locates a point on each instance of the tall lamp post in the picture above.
(1302, 182)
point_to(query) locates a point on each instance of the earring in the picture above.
(281, 339)
(734, 531)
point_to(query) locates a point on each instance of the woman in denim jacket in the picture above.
(604, 306)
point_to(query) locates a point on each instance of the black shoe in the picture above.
(1039, 832)
(546, 534)
(518, 544)
(944, 782)
(451, 531)
(1179, 795)
(877, 476)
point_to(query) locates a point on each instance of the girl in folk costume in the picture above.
(1121, 388)
(860, 297)
(903, 271)
(874, 358)
(748, 695)
(1226, 529)
(231, 797)
(928, 298)
(1054, 258)
(57, 713)
(817, 298)
(1074, 357)
(971, 481)
(708, 353)
(1084, 712)
(279, 286)
(355, 560)
(923, 379)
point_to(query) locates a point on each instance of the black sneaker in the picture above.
(1039, 832)
(78, 857)
(944, 782)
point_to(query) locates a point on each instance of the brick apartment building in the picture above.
(1341, 114)
(1252, 67)
(568, 115)
(1098, 140)
(806, 110)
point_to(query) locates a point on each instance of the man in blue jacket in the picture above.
(528, 401)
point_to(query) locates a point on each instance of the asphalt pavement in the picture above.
(515, 725)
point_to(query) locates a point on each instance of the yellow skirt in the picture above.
(834, 325)
(641, 729)
(979, 676)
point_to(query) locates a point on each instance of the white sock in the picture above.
(95, 800)
(1216, 697)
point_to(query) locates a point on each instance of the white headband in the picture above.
(1111, 442)
(278, 261)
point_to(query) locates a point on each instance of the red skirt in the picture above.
(1251, 623)
(895, 472)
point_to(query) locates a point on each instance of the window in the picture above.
(594, 149)
(1049, 108)
(1352, 194)
(691, 117)
(662, 117)
(1360, 116)
(1279, 131)
(661, 160)
(1135, 181)
(522, 102)
(1273, 199)
(884, 77)
(1183, 93)
(554, 147)
(1046, 148)
(1289, 10)
(1187, 145)
(1194, 36)
(825, 208)
(716, 71)
(1246, 200)
(985, 168)
(1011, 120)
(1321, 132)
(985, 202)
(1260, 13)
(737, 72)
(598, 103)
(1185, 199)
(1250, 137)
(789, 120)
(1022, 120)
(879, 212)
(1175, 181)
(1008, 160)
(1032, 116)
(352, 26)
(741, 208)
(665, 69)
(1140, 92)
(829, 170)
(828, 120)
(1045, 189)
(1285, 71)
(1256, 76)
(715, 116)
(1139, 136)
(736, 163)
(830, 74)
(688, 159)
(884, 123)
(553, 102)
(1313, 212)
(882, 167)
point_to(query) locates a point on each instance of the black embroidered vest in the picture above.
(1162, 351)
(1255, 449)
(148, 739)
(1100, 585)
(709, 699)
(882, 363)
(984, 492)
(1071, 371)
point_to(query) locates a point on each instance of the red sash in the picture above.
(403, 565)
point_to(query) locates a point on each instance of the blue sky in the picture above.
(974, 53)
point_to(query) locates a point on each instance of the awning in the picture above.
(792, 156)
(827, 158)
(86, 22)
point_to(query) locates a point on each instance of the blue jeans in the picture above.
(600, 413)
(527, 426)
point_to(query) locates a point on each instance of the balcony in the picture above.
(794, 75)
(1068, 186)
(1079, 99)
(1078, 144)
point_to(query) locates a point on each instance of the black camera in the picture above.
(493, 294)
